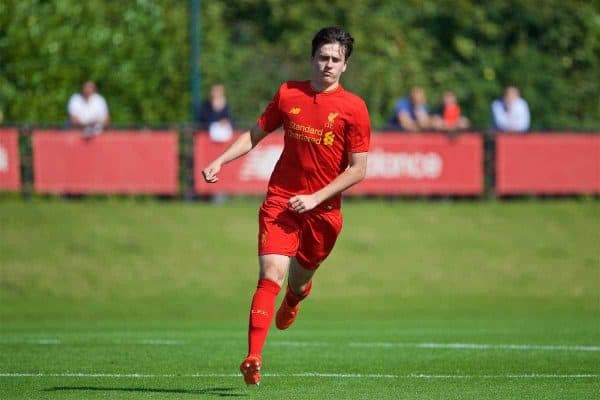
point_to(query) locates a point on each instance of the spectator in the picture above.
(214, 115)
(511, 113)
(88, 110)
(411, 114)
(447, 116)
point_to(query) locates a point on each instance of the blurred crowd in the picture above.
(88, 111)
(510, 113)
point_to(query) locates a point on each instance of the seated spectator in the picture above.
(214, 115)
(511, 113)
(411, 114)
(88, 110)
(447, 116)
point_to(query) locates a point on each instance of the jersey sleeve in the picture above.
(272, 118)
(359, 134)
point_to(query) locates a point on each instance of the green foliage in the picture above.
(138, 51)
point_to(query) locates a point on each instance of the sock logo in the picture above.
(260, 312)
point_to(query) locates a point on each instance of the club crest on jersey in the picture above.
(331, 119)
(295, 110)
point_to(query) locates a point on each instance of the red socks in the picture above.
(261, 315)
(292, 299)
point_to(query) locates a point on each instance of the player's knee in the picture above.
(300, 288)
(273, 275)
(273, 270)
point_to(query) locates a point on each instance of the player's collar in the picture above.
(335, 90)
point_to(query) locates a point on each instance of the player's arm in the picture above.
(357, 168)
(242, 145)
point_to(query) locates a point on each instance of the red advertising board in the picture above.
(113, 162)
(246, 175)
(10, 174)
(543, 163)
(424, 164)
(397, 164)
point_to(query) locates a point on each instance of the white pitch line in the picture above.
(423, 345)
(478, 346)
(299, 375)
(46, 341)
(299, 344)
(156, 342)
(32, 341)
(167, 342)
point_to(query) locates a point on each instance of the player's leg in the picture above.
(299, 278)
(318, 236)
(273, 268)
(298, 287)
(278, 241)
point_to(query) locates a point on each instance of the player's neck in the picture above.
(320, 87)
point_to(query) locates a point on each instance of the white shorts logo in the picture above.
(3, 160)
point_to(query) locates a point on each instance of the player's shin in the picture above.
(261, 315)
(288, 311)
(292, 299)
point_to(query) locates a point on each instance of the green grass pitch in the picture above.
(139, 299)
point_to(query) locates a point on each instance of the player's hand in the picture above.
(303, 203)
(211, 171)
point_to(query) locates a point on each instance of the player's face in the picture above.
(328, 64)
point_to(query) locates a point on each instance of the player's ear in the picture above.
(344, 67)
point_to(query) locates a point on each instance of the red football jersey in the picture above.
(321, 128)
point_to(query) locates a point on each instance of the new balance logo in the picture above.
(260, 312)
(295, 110)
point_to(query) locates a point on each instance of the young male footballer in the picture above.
(327, 134)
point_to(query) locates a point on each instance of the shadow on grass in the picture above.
(216, 391)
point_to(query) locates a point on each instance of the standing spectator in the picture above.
(411, 114)
(214, 115)
(511, 113)
(447, 116)
(88, 110)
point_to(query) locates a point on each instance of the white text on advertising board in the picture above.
(259, 163)
(3, 159)
(404, 165)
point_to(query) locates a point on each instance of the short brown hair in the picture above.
(333, 34)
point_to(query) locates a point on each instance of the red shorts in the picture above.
(309, 236)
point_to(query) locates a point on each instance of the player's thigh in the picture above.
(278, 229)
(318, 236)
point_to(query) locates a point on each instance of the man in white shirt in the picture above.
(88, 109)
(511, 114)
